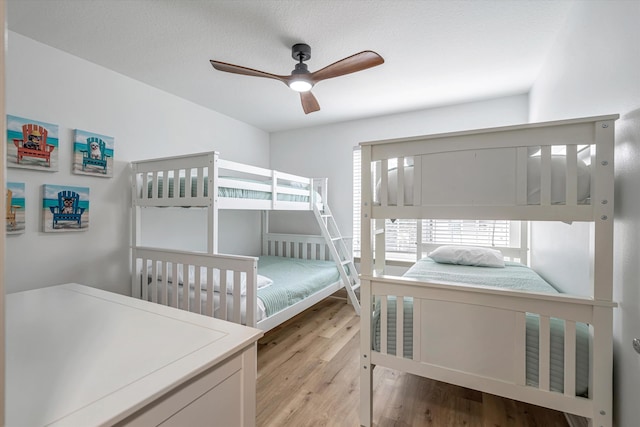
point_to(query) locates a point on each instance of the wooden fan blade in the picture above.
(358, 62)
(236, 69)
(309, 102)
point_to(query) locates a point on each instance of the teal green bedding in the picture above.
(293, 280)
(513, 276)
(237, 193)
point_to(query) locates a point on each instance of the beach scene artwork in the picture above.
(15, 221)
(92, 154)
(65, 208)
(32, 144)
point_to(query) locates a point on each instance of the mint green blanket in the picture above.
(513, 276)
(293, 280)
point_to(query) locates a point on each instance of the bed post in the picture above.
(135, 231)
(602, 202)
(212, 235)
(265, 232)
(366, 369)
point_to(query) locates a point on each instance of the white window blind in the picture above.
(401, 236)
(467, 232)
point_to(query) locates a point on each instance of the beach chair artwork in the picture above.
(15, 212)
(67, 208)
(11, 214)
(93, 154)
(31, 144)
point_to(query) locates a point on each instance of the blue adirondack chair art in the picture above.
(95, 155)
(67, 209)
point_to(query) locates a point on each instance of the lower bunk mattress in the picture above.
(282, 282)
(513, 276)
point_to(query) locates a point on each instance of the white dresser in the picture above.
(79, 356)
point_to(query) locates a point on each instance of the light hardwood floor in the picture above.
(308, 376)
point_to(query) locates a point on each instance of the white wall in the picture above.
(593, 69)
(49, 85)
(326, 151)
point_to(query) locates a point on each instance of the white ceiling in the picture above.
(436, 52)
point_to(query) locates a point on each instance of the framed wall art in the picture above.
(15, 205)
(32, 144)
(92, 154)
(65, 208)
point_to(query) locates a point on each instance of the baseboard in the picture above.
(576, 421)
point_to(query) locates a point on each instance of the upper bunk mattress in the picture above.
(513, 276)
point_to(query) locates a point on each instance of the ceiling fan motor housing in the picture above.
(301, 52)
(300, 69)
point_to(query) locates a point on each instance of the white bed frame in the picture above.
(475, 337)
(208, 166)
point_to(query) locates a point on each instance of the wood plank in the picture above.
(308, 375)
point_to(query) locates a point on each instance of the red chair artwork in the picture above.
(34, 143)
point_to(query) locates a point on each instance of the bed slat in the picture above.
(384, 182)
(544, 353)
(545, 175)
(521, 176)
(144, 192)
(145, 290)
(383, 324)
(165, 184)
(520, 349)
(184, 269)
(165, 287)
(399, 326)
(417, 321)
(571, 197)
(175, 183)
(154, 280)
(223, 295)
(400, 182)
(417, 180)
(237, 289)
(569, 358)
(210, 301)
(154, 185)
(200, 190)
(197, 303)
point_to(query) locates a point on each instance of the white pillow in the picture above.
(468, 255)
(263, 281)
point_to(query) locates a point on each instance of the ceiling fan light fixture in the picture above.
(300, 85)
(300, 78)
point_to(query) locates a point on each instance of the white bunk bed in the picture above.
(228, 286)
(476, 336)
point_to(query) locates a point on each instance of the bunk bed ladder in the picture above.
(340, 253)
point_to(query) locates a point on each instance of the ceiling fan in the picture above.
(301, 79)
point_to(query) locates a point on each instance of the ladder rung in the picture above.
(346, 262)
(380, 231)
(336, 238)
(355, 286)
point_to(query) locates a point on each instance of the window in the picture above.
(402, 235)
